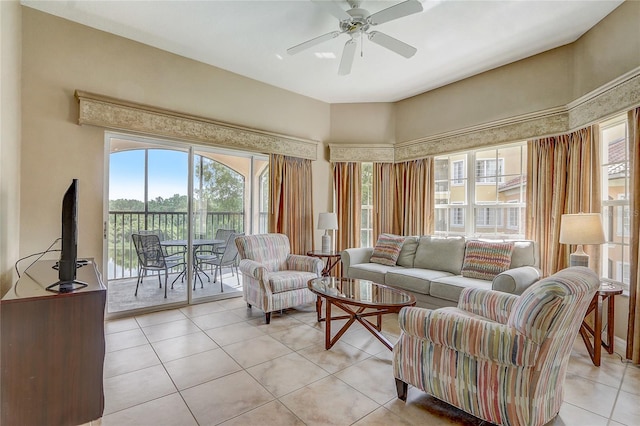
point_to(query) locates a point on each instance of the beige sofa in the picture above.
(430, 268)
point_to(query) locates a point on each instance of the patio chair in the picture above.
(500, 357)
(151, 257)
(227, 258)
(273, 278)
(175, 254)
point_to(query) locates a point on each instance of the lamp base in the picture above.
(326, 243)
(577, 259)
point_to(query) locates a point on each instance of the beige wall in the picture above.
(60, 56)
(532, 84)
(548, 80)
(608, 50)
(10, 62)
(370, 123)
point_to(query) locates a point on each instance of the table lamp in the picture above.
(581, 228)
(327, 221)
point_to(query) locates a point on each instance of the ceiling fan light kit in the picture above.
(355, 22)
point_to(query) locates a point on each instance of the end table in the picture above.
(330, 258)
(606, 292)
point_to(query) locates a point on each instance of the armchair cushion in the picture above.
(470, 334)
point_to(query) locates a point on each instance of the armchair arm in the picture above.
(254, 270)
(469, 334)
(493, 305)
(516, 280)
(297, 262)
(354, 256)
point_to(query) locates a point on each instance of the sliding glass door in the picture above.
(190, 200)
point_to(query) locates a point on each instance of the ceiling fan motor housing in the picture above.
(357, 23)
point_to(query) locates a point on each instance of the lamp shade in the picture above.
(327, 221)
(581, 228)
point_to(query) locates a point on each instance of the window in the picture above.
(614, 152)
(489, 170)
(458, 172)
(457, 217)
(513, 217)
(366, 225)
(486, 216)
(490, 205)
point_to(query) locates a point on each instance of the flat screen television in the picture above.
(68, 263)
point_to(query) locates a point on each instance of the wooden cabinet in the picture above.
(52, 350)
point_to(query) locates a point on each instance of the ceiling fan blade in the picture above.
(393, 44)
(408, 7)
(333, 8)
(310, 43)
(348, 54)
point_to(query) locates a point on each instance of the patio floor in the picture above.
(120, 294)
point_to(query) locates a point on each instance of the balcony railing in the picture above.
(123, 262)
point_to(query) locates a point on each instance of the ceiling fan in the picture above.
(356, 22)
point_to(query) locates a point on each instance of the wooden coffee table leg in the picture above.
(318, 307)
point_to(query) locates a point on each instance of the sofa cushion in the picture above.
(484, 260)
(449, 288)
(387, 249)
(371, 271)
(408, 252)
(440, 254)
(413, 279)
(524, 254)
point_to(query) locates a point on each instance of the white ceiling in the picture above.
(455, 39)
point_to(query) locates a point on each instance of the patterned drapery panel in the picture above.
(347, 187)
(291, 201)
(414, 203)
(563, 176)
(633, 333)
(384, 194)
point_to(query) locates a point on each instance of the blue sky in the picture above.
(167, 174)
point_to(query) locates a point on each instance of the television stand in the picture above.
(52, 349)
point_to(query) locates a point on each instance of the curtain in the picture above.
(414, 203)
(563, 176)
(633, 331)
(384, 192)
(291, 201)
(347, 186)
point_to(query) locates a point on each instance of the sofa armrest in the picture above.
(297, 262)
(469, 334)
(493, 305)
(354, 256)
(516, 280)
(254, 269)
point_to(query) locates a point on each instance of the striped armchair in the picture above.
(500, 357)
(274, 279)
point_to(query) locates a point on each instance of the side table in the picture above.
(606, 293)
(330, 258)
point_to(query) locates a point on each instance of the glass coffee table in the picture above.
(360, 299)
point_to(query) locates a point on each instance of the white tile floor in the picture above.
(218, 363)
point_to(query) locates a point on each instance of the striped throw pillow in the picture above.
(484, 260)
(387, 249)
